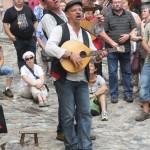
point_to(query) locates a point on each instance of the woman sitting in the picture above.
(32, 80)
(97, 89)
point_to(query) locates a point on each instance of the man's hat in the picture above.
(71, 3)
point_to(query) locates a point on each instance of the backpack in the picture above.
(94, 106)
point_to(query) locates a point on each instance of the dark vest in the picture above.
(57, 70)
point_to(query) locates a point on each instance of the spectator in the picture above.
(119, 24)
(62, 5)
(97, 88)
(32, 80)
(22, 25)
(54, 16)
(5, 70)
(145, 14)
(145, 78)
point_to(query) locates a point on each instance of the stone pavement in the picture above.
(121, 132)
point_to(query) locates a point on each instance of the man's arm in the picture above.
(8, 32)
(35, 25)
(48, 24)
(145, 45)
(107, 39)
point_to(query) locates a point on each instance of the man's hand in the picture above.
(67, 54)
(114, 44)
(124, 38)
(13, 38)
(100, 19)
(102, 55)
(76, 59)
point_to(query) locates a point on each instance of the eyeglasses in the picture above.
(29, 58)
(76, 9)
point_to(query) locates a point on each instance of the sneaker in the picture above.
(128, 99)
(104, 116)
(143, 117)
(8, 93)
(60, 136)
(114, 99)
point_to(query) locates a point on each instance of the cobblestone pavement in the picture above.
(121, 132)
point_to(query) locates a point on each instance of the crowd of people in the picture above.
(53, 25)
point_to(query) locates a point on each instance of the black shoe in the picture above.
(60, 136)
(92, 137)
(8, 93)
(128, 99)
(114, 99)
(143, 116)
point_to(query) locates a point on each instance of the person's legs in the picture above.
(124, 59)
(113, 77)
(31, 46)
(22, 46)
(84, 118)
(5, 70)
(102, 102)
(65, 93)
(145, 92)
(26, 92)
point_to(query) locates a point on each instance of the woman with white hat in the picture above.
(32, 80)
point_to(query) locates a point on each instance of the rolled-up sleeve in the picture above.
(52, 47)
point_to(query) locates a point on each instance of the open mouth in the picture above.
(78, 17)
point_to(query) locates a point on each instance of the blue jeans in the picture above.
(124, 59)
(5, 70)
(74, 100)
(23, 46)
(145, 83)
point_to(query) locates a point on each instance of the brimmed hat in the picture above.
(28, 53)
(71, 3)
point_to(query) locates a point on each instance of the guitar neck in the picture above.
(95, 22)
(98, 52)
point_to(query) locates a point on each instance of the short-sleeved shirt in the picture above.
(116, 25)
(25, 71)
(38, 11)
(99, 81)
(147, 37)
(21, 22)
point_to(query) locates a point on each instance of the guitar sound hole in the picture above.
(82, 54)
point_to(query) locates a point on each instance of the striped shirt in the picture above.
(116, 25)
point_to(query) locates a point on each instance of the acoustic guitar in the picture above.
(92, 27)
(85, 53)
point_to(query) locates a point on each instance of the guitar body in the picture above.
(75, 47)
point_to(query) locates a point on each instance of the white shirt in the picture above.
(53, 49)
(25, 71)
(49, 22)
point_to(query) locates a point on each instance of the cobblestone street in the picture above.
(121, 132)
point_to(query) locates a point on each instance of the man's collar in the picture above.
(123, 12)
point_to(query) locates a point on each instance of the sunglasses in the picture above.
(29, 58)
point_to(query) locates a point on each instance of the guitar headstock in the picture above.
(107, 3)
